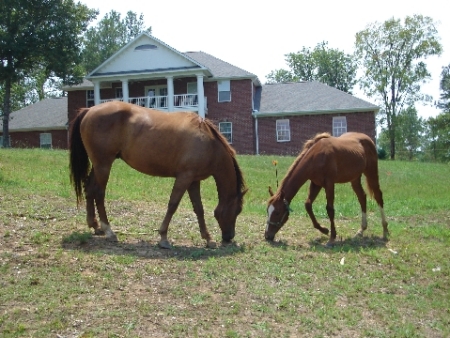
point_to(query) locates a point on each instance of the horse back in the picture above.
(150, 141)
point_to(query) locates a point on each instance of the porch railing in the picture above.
(181, 101)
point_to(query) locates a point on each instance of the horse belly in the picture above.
(166, 162)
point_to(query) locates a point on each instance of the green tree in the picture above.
(409, 133)
(392, 55)
(109, 35)
(438, 137)
(39, 33)
(324, 64)
(444, 102)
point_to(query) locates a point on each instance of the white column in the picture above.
(125, 91)
(170, 93)
(201, 96)
(96, 92)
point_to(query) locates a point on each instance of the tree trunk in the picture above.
(6, 111)
(392, 148)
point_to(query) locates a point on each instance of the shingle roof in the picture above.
(44, 115)
(308, 97)
(219, 68)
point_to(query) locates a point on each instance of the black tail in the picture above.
(79, 161)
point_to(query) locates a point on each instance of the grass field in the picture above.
(58, 280)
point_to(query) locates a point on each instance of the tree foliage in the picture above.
(44, 34)
(444, 102)
(438, 140)
(109, 35)
(392, 55)
(324, 64)
(409, 135)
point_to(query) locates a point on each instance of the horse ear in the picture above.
(270, 191)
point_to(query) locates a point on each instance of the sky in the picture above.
(256, 35)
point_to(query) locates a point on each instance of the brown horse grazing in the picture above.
(180, 145)
(326, 160)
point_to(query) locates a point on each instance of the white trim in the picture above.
(223, 86)
(45, 140)
(230, 140)
(284, 125)
(340, 127)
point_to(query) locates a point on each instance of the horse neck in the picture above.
(293, 181)
(226, 181)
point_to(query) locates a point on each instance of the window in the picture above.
(46, 140)
(226, 128)
(224, 91)
(158, 96)
(89, 98)
(192, 99)
(283, 131)
(145, 47)
(192, 88)
(339, 125)
(119, 93)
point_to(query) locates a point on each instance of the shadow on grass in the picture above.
(351, 244)
(355, 244)
(88, 243)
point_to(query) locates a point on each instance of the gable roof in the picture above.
(220, 69)
(48, 114)
(145, 55)
(169, 60)
(307, 98)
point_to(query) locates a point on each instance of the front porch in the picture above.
(161, 92)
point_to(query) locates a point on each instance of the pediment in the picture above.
(144, 55)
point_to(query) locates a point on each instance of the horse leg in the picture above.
(180, 186)
(374, 186)
(378, 196)
(329, 190)
(194, 195)
(101, 177)
(314, 190)
(89, 190)
(362, 198)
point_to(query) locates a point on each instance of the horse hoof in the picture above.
(359, 233)
(164, 244)
(99, 232)
(325, 231)
(112, 238)
(211, 245)
(330, 244)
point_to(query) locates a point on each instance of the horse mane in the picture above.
(240, 185)
(308, 145)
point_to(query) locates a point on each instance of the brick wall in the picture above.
(75, 101)
(238, 111)
(31, 139)
(305, 127)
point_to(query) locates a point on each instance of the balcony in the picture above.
(181, 102)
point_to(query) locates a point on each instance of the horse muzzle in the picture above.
(228, 236)
(269, 237)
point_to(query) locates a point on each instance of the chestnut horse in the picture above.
(180, 145)
(326, 160)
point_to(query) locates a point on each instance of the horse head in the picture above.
(226, 214)
(277, 214)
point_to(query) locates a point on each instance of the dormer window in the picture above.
(146, 47)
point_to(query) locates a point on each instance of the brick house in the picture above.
(41, 125)
(255, 118)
